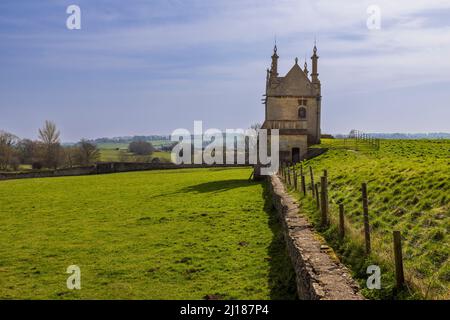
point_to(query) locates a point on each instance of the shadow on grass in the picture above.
(219, 186)
(281, 276)
(211, 187)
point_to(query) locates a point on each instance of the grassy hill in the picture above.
(178, 234)
(408, 190)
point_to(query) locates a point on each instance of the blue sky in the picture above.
(149, 67)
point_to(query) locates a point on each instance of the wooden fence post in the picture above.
(289, 176)
(301, 168)
(341, 221)
(295, 180)
(325, 173)
(366, 217)
(303, 185)
(317, 195)
(324, 200)
(312, 180)
(399, 275)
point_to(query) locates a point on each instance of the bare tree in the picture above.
(70, 156)
(49, 134)
(8, 156)
(52, 152)
(28, 151)
(141, 148)
(88, 152)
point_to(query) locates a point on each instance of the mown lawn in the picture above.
(178, 234)
(408, 190)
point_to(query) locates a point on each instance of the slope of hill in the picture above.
(409, 190)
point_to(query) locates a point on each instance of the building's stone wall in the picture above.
(286, 108)
(288, 142)
(319, 276)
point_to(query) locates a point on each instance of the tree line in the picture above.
(46, 152)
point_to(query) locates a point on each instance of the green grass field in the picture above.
(114, 155)
(120, 145)
(119, 152)
(409, 191)
(178, 234)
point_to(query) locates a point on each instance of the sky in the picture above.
(149, 67)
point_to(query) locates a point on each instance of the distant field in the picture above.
(111, 145)
(116, 152)
(178, 234)
(409, 190)
(123, 155)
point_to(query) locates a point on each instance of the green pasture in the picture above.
(175, 234)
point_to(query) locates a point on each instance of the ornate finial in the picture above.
(275, 44)
(296, 60)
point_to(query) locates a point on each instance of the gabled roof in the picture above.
(295, 83)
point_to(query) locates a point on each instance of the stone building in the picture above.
(292, 105)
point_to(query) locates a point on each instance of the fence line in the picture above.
(322, 202)
(357, 140)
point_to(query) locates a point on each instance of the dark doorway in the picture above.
(295, 155)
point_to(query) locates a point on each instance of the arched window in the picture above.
(302, 113)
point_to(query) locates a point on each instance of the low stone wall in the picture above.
(79, 171)
(111, 167)
(319, 276)
(107, 167)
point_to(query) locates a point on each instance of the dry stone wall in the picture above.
(107, 167)
(319, 275)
